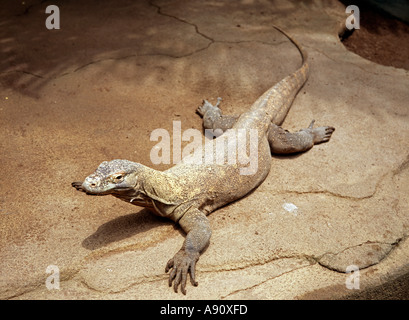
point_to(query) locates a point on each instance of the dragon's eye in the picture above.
(118, 177)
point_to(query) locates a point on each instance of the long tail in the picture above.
(275, 102)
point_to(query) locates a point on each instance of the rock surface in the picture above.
(95, 89)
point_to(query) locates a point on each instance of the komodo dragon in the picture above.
(189, 191)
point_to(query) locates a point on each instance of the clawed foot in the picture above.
(320, 134)
(206, 106)
(181, 264)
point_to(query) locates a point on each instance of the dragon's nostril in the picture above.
(93, 185)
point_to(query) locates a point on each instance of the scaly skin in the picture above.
(193, 188)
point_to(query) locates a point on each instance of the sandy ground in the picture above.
(95, 89)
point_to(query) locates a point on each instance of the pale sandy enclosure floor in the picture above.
(95, 89)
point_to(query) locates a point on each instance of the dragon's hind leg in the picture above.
(213, 118)
(283, 142)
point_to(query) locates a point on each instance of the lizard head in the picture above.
(111, 177)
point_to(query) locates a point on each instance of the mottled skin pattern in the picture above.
(190, 190)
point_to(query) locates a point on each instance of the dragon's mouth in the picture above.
(80, 186)
(89, 191)
(122, 188)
